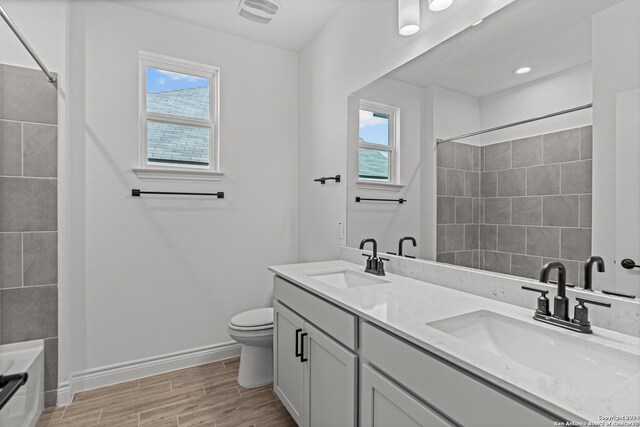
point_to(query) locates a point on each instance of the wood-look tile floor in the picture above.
(206, 395)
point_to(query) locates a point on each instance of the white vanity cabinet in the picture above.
(451, 391)
(384, 403)
(327, 359)
(315, 376)
(330, 382)
(288, 369)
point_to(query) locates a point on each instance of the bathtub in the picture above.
(27, 404)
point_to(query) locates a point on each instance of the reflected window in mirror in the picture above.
(378, 142)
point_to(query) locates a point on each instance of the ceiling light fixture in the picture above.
(477, 23)
(524, 70)
(439, 5)
(408, 17)
(261, 11)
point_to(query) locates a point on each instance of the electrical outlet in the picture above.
(340, 231)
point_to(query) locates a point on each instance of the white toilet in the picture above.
(254, 330)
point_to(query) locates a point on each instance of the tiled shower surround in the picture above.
(28, 214)
(513, 206)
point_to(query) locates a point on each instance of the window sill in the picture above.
(177, 174)
(385, 186)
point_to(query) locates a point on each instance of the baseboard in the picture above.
(114, 374)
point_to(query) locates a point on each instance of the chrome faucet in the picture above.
(560, 317)
(374, 264)
(411, 239)
(588, 267)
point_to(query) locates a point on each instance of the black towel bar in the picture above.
(362, 199)
(136, 192)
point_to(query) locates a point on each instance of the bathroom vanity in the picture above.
(352, 348)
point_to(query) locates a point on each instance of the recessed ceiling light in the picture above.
(477, 23)
(438, 5)
(523, 70)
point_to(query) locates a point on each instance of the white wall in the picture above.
(616, 69)
(360, 44)
(445, 113)
(454, 113)
(387, 222)
(561, 91)
(43, 24)
(157, 275)
(627, 205)
(567, 89)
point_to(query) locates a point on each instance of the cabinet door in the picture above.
(288, 369)
(384, 404)
(330, 381)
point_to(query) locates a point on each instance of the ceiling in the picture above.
(292, 28)
(550, 35)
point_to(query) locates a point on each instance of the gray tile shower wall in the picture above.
(533, 204)
(459, 208)
(28, 214)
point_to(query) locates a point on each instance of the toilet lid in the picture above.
(253, 318)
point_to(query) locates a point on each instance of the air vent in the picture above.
(261, 11)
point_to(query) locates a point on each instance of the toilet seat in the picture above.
(253, 320)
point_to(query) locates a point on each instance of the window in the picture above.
(378, 143)
(178, 114)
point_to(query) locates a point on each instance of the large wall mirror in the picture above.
(481, 150)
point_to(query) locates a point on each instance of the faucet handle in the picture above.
(544, 292)
(380, 266)
(369, 262)
(543, 301)
(581, 312)
(582, 301)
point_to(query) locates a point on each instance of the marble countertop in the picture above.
(404, 306)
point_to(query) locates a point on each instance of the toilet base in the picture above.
(256, 366)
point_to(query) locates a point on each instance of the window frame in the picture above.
(166, 170)
(394, 142)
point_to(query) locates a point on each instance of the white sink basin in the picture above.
(346, 279)
(591, 367)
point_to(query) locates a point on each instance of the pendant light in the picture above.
(408, 17)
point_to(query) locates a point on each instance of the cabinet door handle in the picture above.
(298, 352)
(302, 358)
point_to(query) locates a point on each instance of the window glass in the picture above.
(374, 127)
(374, 164)
(177, 94)
(177, 143)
